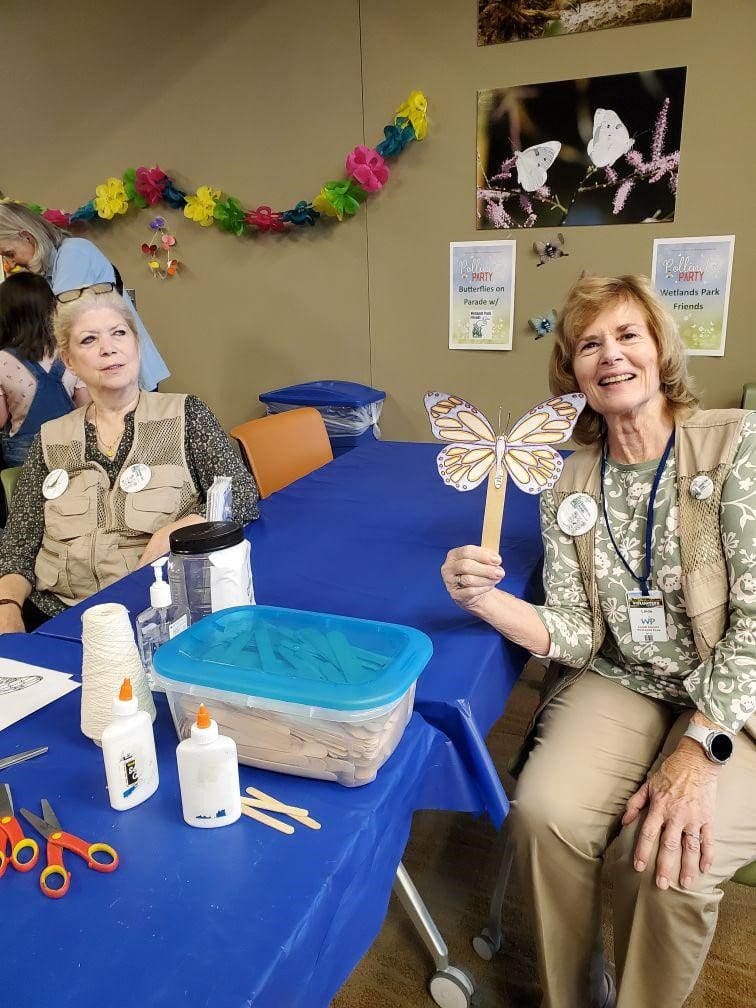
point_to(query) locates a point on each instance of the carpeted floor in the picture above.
(453, 861)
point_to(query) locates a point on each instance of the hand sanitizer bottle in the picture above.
(163, 620)
(128, 748)
(208, 769)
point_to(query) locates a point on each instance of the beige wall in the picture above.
(263, 100)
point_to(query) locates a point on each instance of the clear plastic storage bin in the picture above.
(350, 411)
(304, 693)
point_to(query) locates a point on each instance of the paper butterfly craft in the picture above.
(533, 163)
(549, 250)
(543, 324)
(610, 138)
(526, 453)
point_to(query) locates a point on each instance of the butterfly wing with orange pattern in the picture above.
(529, 455)
(466, 462)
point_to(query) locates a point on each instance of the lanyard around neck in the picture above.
(643, 579)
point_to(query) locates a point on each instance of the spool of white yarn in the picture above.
(109, 655)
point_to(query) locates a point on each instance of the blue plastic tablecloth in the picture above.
(365, 536)
(228, 918)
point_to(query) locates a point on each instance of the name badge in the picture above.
(56, 483)
(648, 624)
(577, 514)
(135, 478)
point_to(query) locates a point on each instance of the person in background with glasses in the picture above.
(69, 265)
(35, 385)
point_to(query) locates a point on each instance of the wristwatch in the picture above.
(717, 745)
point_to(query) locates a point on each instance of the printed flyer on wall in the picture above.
(692, 275)
(481, 295)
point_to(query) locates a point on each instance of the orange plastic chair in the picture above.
(283, 447)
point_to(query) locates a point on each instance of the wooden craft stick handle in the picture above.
(267, 820)
(494, 512)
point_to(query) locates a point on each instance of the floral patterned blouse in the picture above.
(724, 686)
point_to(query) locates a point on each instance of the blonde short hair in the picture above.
(592, 295)
(69, 313)
(15, 218)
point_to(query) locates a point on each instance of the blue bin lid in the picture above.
(325, 393)
(319, 660)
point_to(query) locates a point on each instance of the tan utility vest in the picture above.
(705, 443)
(93, 534)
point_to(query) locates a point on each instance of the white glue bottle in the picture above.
(128, 747)
(208, 769)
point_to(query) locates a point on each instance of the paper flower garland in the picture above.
(366, 172)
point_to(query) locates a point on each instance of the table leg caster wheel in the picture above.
(452, 988)
(484, 945)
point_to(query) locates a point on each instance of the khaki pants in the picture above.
(595, 745)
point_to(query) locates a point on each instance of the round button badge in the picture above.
(577, 514)
(135, 478)
(701, 487)
(56, 483)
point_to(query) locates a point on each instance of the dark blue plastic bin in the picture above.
(350, 411)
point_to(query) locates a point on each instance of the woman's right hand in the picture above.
(469, 573)
(10, 619)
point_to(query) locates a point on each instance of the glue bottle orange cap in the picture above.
(126, 692)
(203, 717)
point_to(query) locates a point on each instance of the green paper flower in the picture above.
(338, 198)
(129, 184)
(230, 215)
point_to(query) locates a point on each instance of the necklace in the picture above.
(109, 447)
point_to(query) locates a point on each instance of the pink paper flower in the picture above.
(150, 183)
(367, 168)
(264, 219)
(57, 217)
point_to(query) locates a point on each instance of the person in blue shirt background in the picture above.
(68, 264)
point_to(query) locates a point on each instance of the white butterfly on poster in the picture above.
(533, 163)
(610, 139)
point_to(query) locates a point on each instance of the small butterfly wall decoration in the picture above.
(543, 324)
(550, 249)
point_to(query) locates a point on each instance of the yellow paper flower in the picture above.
(200, 207)
(110, 199)
(415, 109)
(323, 205)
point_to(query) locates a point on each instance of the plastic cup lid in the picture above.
(206, 537)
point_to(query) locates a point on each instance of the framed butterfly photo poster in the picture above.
(586, 152)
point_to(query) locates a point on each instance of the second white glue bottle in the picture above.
(208, 769)
(128, 747)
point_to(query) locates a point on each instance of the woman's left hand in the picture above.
(681, 797)
(160, 544)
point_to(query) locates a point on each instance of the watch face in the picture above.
(721, 746)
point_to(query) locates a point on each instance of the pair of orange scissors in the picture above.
(12, 840)
(57, 842)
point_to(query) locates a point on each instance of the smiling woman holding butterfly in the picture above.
(643, 753)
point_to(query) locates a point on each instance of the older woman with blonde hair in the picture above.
(642, 754)
(70, 265)
(103, 486)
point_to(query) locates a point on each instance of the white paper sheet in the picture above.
(25, 689)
